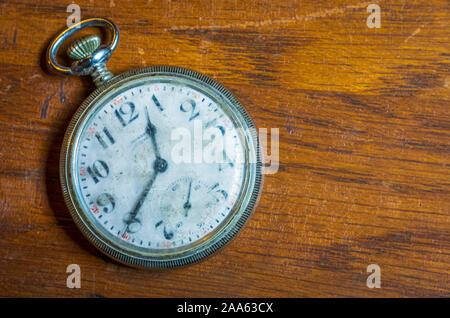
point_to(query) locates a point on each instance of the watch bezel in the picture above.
(246, 206)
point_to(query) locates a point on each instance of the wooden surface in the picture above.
(364, 128)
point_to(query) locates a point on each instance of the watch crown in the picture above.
(83, 47)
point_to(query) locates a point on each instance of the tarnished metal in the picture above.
(89, 61)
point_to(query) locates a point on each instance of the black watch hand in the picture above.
(159, 165)
(187, 205)
(150, 130)
(132, 217)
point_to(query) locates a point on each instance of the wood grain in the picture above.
(364, 125)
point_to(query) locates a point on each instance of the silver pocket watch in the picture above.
(160, 166)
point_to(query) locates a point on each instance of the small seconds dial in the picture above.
(159, 166)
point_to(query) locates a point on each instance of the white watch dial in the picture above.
(160, 166)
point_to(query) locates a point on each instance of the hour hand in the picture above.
(160, 164)
(150, 130)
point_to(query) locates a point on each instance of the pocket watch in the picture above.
(160, 166)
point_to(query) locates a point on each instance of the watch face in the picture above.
(161, 169)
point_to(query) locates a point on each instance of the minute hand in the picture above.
(141, 198)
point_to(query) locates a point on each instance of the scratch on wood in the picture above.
(417, 31)
(267, 22)
(7, 88)
(46, 105)
(62, 96)
(14, 37)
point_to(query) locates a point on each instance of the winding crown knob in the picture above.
(89, 55)
(83, 47)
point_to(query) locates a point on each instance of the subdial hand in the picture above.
(187, 205)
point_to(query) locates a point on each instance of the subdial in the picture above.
(186, 203)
